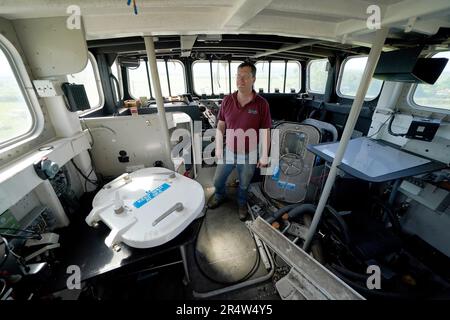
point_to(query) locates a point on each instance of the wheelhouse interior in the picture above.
(357, 205)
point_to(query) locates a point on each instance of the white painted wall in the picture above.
(48, 133)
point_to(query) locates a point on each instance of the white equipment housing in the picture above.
(148, 207)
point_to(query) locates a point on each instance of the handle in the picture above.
(177, 207)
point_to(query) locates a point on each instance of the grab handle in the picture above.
(177, 207)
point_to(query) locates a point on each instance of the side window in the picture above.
(317, 75)
(16, 113)
(262, 76)
(202, 77)
(91, 81)
(350, 76)
(436, 95)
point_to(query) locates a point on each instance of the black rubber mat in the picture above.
(224, 253)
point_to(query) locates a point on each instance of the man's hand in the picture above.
(263, 162)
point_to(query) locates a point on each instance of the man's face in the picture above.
(244, 78)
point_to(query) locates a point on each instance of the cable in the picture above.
(83, 175)
(6, 254)
(382, 125)
(9, 251)
(85, 181)
(37, 235)
(4, 286)
(390, 128)
(89, 130)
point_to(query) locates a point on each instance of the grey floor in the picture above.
(225, 254)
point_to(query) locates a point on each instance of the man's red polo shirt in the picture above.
(254, 115)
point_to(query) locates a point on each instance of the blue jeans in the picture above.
(245, 174)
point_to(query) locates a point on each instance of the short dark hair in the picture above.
(248, 64)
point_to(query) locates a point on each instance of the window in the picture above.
(161, 65)
(202, 77)
(293, 76)
(262, 76)
(350, 77)
(177, 77)
(91, 81)
(201, 71)
(277, 76)
(16, 116)
(138, 79)
(317, 75)
(283, 77)
(436, 95)
(221, 77)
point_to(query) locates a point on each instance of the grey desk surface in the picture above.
(376, 161)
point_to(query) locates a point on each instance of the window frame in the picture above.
(308, 87)
(129, 82)
(341, 72)
(269, 75)
(299, 76)
(284, 63)
(98, 83)
(29, 95)
(210, 75)
(167, 71)
(228, 62)
(410, 96)
(119, 77)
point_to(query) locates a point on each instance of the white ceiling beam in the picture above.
(290, 27)
(302, 44)
(13, 9)
(244, 11)
(394, 14)
(98, 27)
(187, 42)
(355, 9)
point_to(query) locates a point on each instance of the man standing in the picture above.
(245, 118)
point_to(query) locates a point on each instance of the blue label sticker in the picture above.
(286, 185)
(151, 195)
(276, 173)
